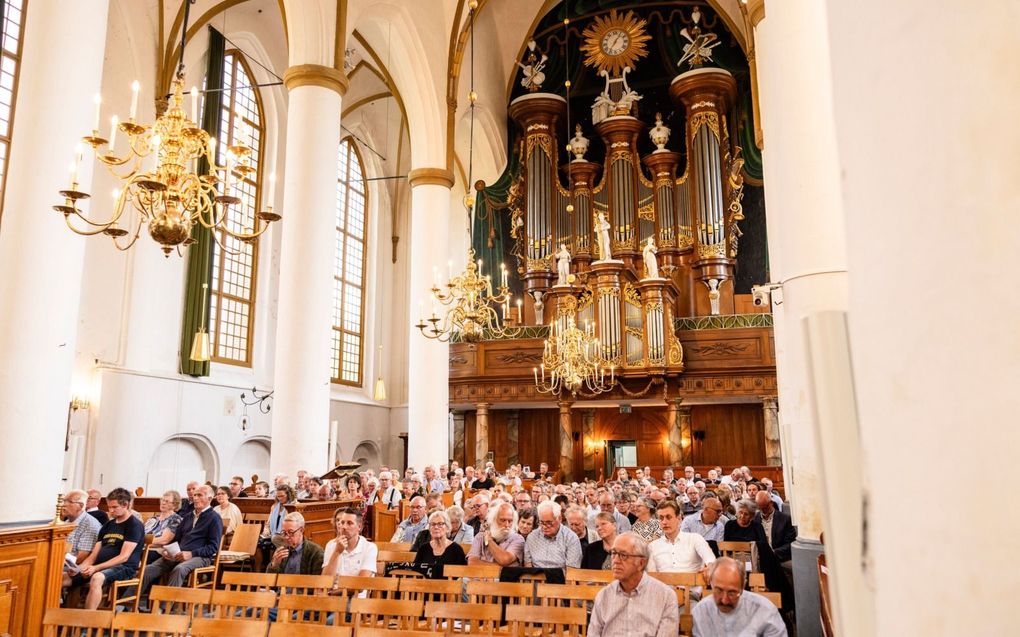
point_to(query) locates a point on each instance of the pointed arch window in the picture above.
(13, 27)
(349, 268)
(232, 298)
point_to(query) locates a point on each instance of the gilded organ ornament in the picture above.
(615, 42)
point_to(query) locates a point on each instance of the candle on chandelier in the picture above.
(194, 104)
(135, 86)
(113, 133)
(534, 370)
(421, 312)
(74, 174)
(226, 174)
(520, 314)
(502, 267)
(98, 99)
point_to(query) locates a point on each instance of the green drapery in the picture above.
(490, 232)
(200, 254)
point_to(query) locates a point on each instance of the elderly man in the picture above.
(433, 503)
(188, 506)
(92, 506)
(733, 611)
(389, 493)
(634, 604)
(766, 485)
(197, 538)
(676, 551)
(501, 544)
(555, 546)
(607, 503)
(432, 482)
(692, 501)
(576, 523)
(325, 491)
(414, 524)
(350, 553)
(706, 522)
(779, 529)
(82, 539)
(481, 512)
(117, 551)
(522, 500)
(298, 556)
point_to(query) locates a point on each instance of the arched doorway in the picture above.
(251, 458)
(179, 460)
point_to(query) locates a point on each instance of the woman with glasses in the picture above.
(596, 554)
(163, 526)
(229, 512)
(440, 550)
(646, 525)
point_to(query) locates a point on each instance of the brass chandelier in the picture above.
(166, 193)
(572, 361)
(469, 296)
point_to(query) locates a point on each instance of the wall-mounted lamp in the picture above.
(79, 402)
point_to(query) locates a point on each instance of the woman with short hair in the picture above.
(647, 526)
(440, 550)
(163, 526)
(231, 515)
(459, 532)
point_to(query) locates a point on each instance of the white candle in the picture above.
(272, 189)
(194, 104)
(74, 174)
(421, 311)
(226, 174)
(113, 133)
(98, 99)
(135, 86)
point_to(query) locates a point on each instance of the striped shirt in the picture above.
(84, 535)
(693, 524)
(559, 551)
(650, 610)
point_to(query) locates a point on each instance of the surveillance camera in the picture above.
(760, 295)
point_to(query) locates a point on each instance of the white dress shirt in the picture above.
(687, 553)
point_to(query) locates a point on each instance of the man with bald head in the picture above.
(634, 604)
(779, 529)
(733, 611)
(415, 523)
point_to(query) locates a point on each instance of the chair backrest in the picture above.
(775, 598)
(243, 581)
(440, 590)
(382, 632)
(477, 619)
(73, 622)
(202, 627)
(588, 576)
(547, 620)
(253, 605)
(395, 556)
(311, 609)
(246, 538)
(756, 582)
(304, 584)
(172, 599)
(393, 546)
(146, 625)
(742, 552)
(566, 594)
(377, 587)
(682, 583)
(493, 592)
(385, 613)
(308, 630)
(488, 572)
(384, 523)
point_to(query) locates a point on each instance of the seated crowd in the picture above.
(632, 526)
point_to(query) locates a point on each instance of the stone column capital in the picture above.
(316, 75)
(483, 407)
(770, 402)
(756, 11)
(430, 176)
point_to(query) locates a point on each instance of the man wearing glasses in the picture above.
(297, 556)
(706, 523)
(634, 604)
(554, 546)
(92, 507)
(414, 524)
(83, 538)
(733, 611)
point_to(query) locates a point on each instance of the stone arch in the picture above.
(251, 458)
(367, 454)
(179, 459)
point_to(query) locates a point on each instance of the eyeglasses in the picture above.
(437, 523)
(621, 555)
(74, 502)
(287, 533)
(547, 522)
(721, 592)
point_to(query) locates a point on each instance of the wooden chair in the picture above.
(568, 595)
(588, 576)
(191, 602)
(420, 589)
(202, 627)
(384, 632)
(125, 592)
(546, 620)
(249, 582)
(494, 592)
(385, 613)
(74, 622)
(746, 552)
(756, 582)
(477, 619)
(682, 583)
(205, 576)
(384, 523)
(686, 625)
(385, 557)
(308, 630)
(305, 584)
(243, 547)
(486, 572)
(252, 605)
(311, 609)
(393, 546)
(775, 598)
(145, 625)
(377, 587)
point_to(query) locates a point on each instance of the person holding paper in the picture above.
(117, 551)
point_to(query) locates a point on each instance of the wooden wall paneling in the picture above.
(647, 426)
(7, 593)
(498, 442)
(538, 436)
(32, 559)
(734, 434)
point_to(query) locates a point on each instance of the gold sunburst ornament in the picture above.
(615, 42)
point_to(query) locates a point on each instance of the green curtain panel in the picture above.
(200, 254)
(490, 232)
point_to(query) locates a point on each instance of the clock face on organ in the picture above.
(615, 42)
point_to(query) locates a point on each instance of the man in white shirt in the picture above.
(676, 551)
(733, 611)
(350, 553)
(390, 494)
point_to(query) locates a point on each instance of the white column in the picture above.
(928, 158)
(807, 255)
(428, 380)
(303, 331)
(40, 258)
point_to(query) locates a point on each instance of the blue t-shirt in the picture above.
(113, 535)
